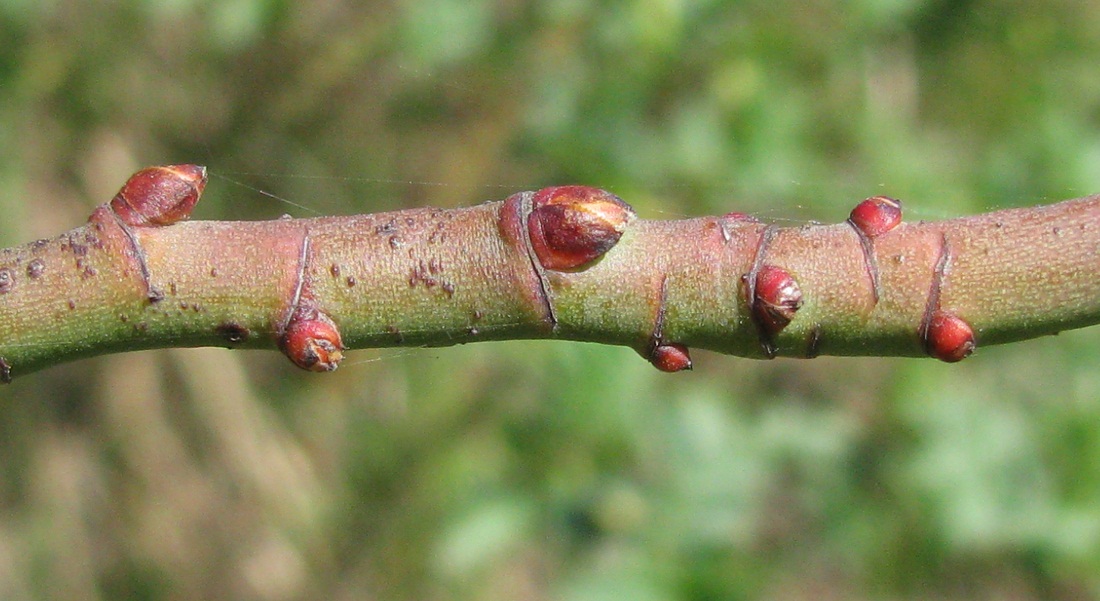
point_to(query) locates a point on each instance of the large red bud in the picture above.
(572, 226)
(159, 195)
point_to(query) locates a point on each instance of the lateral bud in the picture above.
(876, 215)
(948, 337)
(159, 196)
(777, 298)
(670, 357)
(311, 341)
(572, 226)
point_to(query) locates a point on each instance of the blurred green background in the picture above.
(542, 470)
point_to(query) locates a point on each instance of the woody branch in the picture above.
(567, 262)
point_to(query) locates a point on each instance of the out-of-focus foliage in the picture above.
(552, 470)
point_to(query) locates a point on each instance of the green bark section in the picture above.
(442, 277)
(70, 297)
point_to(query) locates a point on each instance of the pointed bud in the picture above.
(876, 215)
(571, 226)
(160, 195)
(948, 338)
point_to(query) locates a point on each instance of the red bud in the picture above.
(670, 357)
(160, 195)
(876, 215)
(571, 226)
(949, 338)
(778, 298)
(312, 342)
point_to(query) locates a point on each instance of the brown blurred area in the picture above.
(539, 470)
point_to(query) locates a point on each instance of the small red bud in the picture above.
(778, 298)
(949, 338)
(670, 357)
(312, 342)
(876, 215)
(571, 226)
(160, 195)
